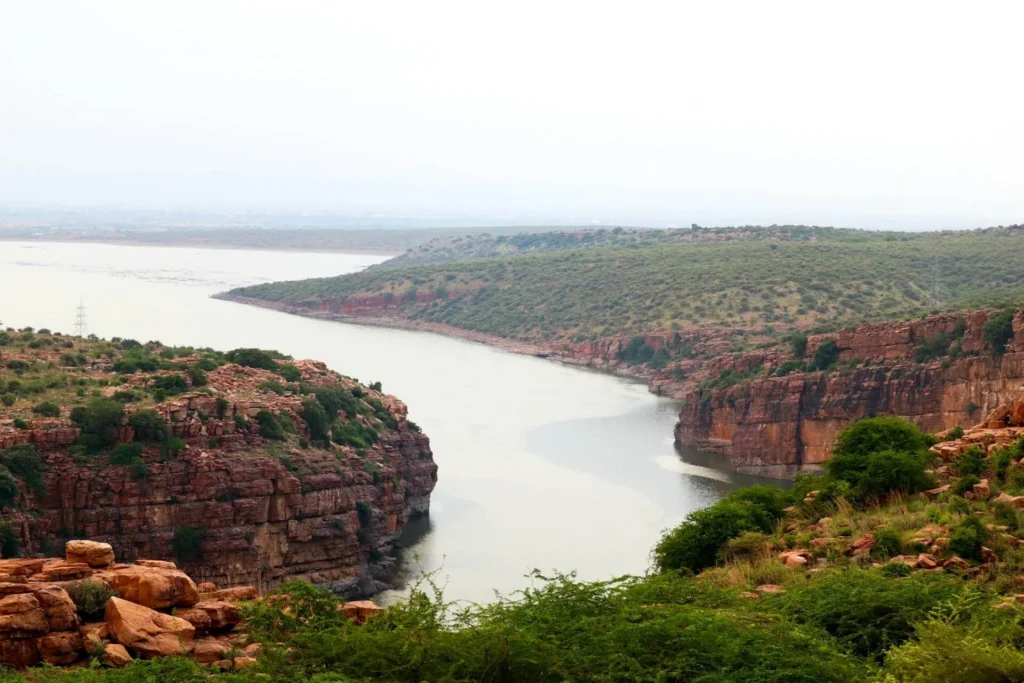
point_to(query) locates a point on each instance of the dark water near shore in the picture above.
(541, 465)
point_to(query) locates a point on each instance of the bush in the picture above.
(8, 488)
(99, 421)
(8, 399)
(998, 331)
(171, 384)
(187, 543)
(270, 428)
(965, 484)
(968, 537)
(892, 471)
(20, 423)
(126, 453)
(23, 462)
(695, 544)
(289, 372)
(90, 597)
(314, 415)
(172, 447)
(955, 433)
(148, 425)
(896, 570)
(888, 543)
(970, 462)
(10, 541)
(365, 513)
(47, 409)
(253, 358)
(798, 341)
(865, 610)
(881, 454)
(196, 376)
(826, 355)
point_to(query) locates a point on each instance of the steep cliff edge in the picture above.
(243, 474)
(776, 425)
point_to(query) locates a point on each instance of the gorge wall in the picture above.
(775, 426)
(257, 511)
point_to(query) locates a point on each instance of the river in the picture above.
(541, 465)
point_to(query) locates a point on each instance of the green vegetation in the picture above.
(999, 331)
(835, 279)
(90, 597)
(187, 543)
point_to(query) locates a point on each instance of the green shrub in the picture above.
(315, 417)
(47, 409)
(826, 355)
(196, 376)
(798, 341)
(172, 447)
(187, 543)
(881, 454)
(20, 423)
(896, 570)
(864, 609)
(890, 471)
(695, 544)
(955, 433)
(148, 425)
(270, 428)
(8, 399)
(8, 488)
(171, 384)
(99, 421)
(10, 541)
(289, 372)
(126, 453)
(971, 462)
(888, 543)
(365, 513)
(254, 358)
(998, 331)
(965, 484)
(90, 597)
(24, 463)
(968, 537)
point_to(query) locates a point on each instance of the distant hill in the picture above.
(821, 278)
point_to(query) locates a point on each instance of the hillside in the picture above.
(249, 465)
(732, 285)
(902, 564)
(446, 249)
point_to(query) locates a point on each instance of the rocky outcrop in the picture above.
(234, 507)
(775, 426)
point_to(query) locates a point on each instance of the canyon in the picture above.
(769, 425)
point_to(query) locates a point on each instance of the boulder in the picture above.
(153, 587)
(794, 559)
(862, 546)
(21, 616)
(199, 619)
(207, 587)
(94, 635)
(115, 656)
(981, 490)
(1015, 501)
(62, 647)
(19, 654)
(60, 610)
(360, 610)
(956, 563)
(61, 570)
(222, 615)
(147, 632)
(92, 553)
(159, 564)
(770, 588)
(236, 594)
(210, 650)
(20, 567)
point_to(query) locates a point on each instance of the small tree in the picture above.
(47, 409)
(998, 331)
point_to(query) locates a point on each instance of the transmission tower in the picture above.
(80, 320)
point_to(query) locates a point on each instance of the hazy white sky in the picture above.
(869, 113)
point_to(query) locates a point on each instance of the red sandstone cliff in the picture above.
(774, 426)
(267, 511)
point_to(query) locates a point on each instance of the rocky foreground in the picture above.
(64, 611)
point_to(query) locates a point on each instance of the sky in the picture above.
(870, 114)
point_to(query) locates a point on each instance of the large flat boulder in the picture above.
(21, 616)
(153, 587)
(236, 594)
(92, 553)
(147, 632)
(59, 608)
(63, 647)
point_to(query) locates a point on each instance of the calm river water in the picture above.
(541, 465)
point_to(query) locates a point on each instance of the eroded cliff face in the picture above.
(258, 510)
(775, 426)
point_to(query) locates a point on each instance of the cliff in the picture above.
(226, 491)
(775, 426)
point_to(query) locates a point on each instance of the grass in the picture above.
(828, 281)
